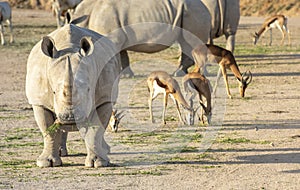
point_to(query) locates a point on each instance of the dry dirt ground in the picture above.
(254, 143)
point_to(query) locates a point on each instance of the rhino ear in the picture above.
(48, 47)
(86, 46)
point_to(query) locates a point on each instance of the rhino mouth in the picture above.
(71, 118)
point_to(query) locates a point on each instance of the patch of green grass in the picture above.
(14, 117)
(189, 149)
(53, 128)
(241, 140)
(19, 134)
(17, 163)
(152, 172)
(211, 167)
(204, 156)
(262, 49)
(247, 98)
(233, 140)
(11, 138)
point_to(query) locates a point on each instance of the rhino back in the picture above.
(152, 25)
(38, 89)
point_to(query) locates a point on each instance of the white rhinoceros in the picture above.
(72, 80)
(225, 16)
(149, 26)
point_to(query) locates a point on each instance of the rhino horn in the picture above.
(68, 81)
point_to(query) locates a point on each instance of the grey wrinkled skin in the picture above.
(72, 78)
(149, 26)
(225, 16)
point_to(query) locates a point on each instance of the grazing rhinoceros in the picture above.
(5, 16)
(149, 26)
(225, 16)
(72, 80)
(60, 7)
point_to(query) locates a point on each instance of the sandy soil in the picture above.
(255, 144)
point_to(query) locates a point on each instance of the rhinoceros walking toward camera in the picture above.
(149, 26)
(5, 16)
(225, 16)
(72, 80)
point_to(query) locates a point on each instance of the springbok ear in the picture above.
(48, 47)
(86, 46)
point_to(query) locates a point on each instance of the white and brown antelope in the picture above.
(5, 16)
(160, 82)
(225, 59)
(115, 119)
(197, 84)
(276, 21)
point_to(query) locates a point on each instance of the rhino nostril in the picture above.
(67, 116)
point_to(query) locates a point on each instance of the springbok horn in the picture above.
(118, 115)
(249, 77)
(204, 107)
(119, 118)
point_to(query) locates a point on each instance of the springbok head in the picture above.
(244, 82)
(255, 37)
(206, 112)
(115, 120)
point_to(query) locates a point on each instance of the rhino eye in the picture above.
(53, 92)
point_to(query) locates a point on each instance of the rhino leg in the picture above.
(185, 63)
(63, 151)
(97, 148)
(230, 42)
(126, 70)
(50, 155)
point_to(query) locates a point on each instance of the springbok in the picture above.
(160, 82)
(225, 59)
(198, 84)
(115, 119)
(279, 21)
(5, 16)
(61, 7)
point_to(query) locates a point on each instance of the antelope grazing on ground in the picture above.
(197, 84)
(276, 21)
(115, 120)
(5, 16)
(61, 7)
(160, 82)
(225, 59)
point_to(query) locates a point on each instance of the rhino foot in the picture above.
(63, 152)
(96, 162)
(48, 161)
(127, 73)
(179, 72)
